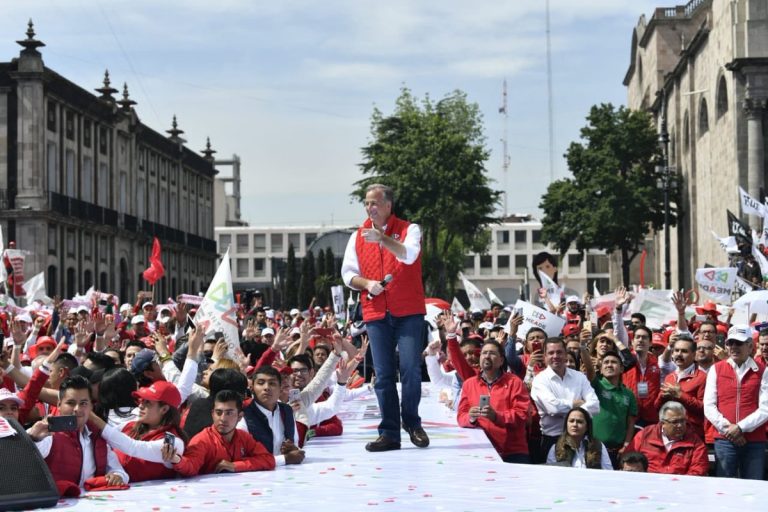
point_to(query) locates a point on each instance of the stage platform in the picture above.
(460, 471)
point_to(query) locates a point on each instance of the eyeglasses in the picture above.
(733, 343)
(642, 337)
(301, 371)
(676, 423)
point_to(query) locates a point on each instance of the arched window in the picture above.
(703, 117)
(71, 284)
(686, 133)
(52, 281)
(722, 97)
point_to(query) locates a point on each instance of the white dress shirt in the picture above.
(350, 267)
(748, 423)
(275, 421)
(89, 465)
(554, 397)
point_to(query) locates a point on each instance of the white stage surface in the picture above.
(459, 471)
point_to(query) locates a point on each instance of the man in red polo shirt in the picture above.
(383, 261)
(736, 403)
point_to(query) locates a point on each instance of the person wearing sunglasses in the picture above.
(736, 403)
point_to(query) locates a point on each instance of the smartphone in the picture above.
(323, 332)
(535, 345)
(517, 312)
(293, 394)
(587, 325)
(62, 423)
(169, 439)
(485, 400)
(720, 340)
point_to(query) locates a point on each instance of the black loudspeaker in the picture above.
(25, 481)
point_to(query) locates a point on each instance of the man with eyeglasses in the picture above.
(644, 379)
(670, 446)
(736, 403)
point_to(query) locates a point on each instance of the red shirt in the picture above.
(208, 448)
(691, 396)
(646, 405)
(509, 398)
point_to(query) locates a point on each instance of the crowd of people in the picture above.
(153, 397)
(143, 391)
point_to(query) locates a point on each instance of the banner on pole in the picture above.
(219, 308)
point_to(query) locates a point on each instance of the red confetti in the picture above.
(331, 469)
(427, 495)
(255, 493)
(389, 500)
(491, 471)
(349, 474)
(372, 503)
(643, 498)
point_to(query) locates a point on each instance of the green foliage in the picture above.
(433, 155)
(330, 263)
(291, 279)
(613, 201)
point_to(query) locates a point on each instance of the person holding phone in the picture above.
(139, 445)
(497, 402)
(75, 456)
(393, 311)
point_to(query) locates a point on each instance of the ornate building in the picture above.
(85, 185)
(703, 68)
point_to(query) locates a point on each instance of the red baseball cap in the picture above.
(160, 391)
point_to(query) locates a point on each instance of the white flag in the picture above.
(476, 298)
(743, 285)
(553, 290)
(717, 283)
(493, 297)
(750, 205)
(219, 308)
(35, 289)
(337, 297)
(761, 260)
(728, 243)
(595, 292)
(456, 307)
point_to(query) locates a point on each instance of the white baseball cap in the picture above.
(5, 394)
(137, 319)
(267, 331)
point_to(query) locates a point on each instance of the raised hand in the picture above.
(678, 299)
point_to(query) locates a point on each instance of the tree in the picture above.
(307, 280)
(613, 201)
(433, 155)
(291, 282)
(330, 263)
(322, 299)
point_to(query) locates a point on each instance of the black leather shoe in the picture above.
(418, 436)
(382, 444)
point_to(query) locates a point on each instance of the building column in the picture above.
(754, 109)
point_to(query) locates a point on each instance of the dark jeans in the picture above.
(746, 461)
(547, 442)
(406, 335)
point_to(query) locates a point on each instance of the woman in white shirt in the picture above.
(576, 447)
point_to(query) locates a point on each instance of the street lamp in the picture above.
(665, 184)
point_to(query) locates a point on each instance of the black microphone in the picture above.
(387, 279)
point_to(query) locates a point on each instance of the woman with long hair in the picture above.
(576, 447)
(118, 406)
(139, 445)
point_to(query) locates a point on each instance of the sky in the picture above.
(289, 85)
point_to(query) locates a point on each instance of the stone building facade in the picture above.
(703, 68)
(85, 186)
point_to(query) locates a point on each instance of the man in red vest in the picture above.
(736, 403)
(383, 262)
(76, 456)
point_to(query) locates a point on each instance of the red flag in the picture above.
(642, 268)
(156, 269)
